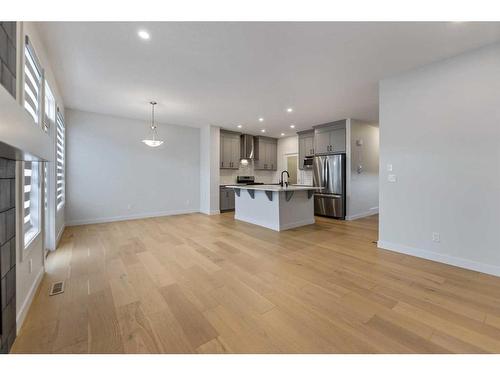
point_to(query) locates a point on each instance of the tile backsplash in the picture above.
(228, 176)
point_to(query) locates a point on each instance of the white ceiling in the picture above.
(231, 73)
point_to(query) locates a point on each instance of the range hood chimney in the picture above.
(247, 146)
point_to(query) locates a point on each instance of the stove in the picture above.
(247, 180)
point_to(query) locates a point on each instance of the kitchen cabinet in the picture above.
(229, 150)
(330, 138)
(226, 199)
(306, 146)
(266, 153)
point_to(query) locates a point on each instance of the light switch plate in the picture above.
(436, 237)
(389, 167)
(392, 178)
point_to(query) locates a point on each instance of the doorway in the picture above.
(291, 167)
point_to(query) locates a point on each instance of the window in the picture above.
(32, 200)
(33, 75)
(60, 161)
(50, 108)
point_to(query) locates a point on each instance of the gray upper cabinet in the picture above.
(266, 155)
(229, 150)
(330, 138)
(306, 146)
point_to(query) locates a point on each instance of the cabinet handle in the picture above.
(221, 163)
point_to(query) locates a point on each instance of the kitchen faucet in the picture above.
(281, 179)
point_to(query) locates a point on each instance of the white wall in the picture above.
(209, 169)
(362, 194)
(112, 175)
(440, 130)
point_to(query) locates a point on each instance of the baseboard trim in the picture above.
(441, 258)
(29, 299)
(146, 215)
(211, 212)
(373, 211)
(297, 224)
(59, 235)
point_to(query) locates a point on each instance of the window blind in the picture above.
(60, 161)
(27, 195)
(32, 196)
(32, 81)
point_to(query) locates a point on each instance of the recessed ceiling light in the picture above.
(289, 110)
(292, 126)
(263, 130)
(261, 119)
(143, 34)
(240, 126)
(282, 134)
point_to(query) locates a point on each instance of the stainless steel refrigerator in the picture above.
(329, 173)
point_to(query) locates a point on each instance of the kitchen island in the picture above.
(273, 206)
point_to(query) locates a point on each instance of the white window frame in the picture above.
(32, 199)
(49, 107)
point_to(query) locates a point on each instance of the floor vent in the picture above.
(57, 288)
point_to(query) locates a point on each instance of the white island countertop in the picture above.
(274, 187)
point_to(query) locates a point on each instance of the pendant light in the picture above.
(153, 141)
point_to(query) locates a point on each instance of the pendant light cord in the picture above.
(153, 126)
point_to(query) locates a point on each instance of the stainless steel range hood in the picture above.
(247, 146)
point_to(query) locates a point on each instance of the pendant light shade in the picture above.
(153, 140)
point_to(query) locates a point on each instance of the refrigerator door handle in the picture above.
(328, 195)
(325, 174)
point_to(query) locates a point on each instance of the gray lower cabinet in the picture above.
(226, 199)
(330, 138)
(266, 153)
(229, 150)
(306, 146)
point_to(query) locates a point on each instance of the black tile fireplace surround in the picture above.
(7, 254)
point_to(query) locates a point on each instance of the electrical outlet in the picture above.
(436, 237)
(392, 178)
(187, 202)
(129, 206)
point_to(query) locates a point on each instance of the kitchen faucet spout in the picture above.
(281, 178)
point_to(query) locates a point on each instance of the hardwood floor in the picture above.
(209, 284)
